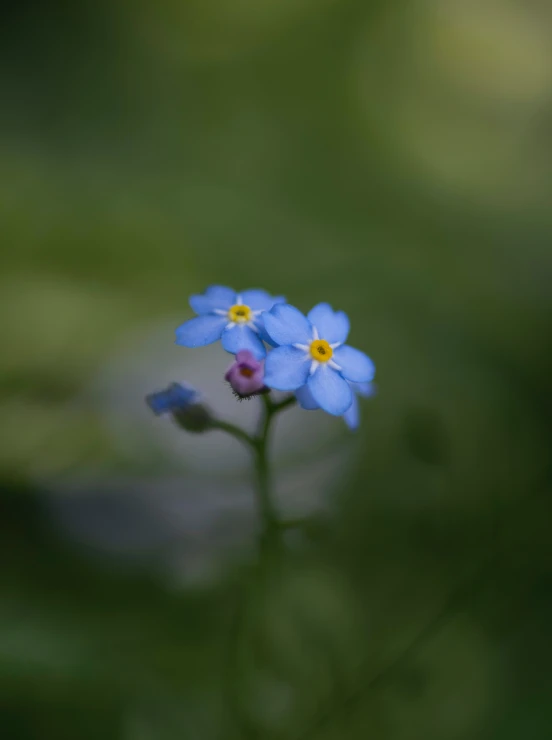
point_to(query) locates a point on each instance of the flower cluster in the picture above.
(306, 355)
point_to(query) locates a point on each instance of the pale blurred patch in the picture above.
(55, 324)
(147, 361)
(185, 502)
(55, 330)
(500, 50)
(463, 95)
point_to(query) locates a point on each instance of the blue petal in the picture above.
(221, 293)
(305, 399)
(263, 334)
(201, 331)
(174, 397)
(216, 297)
(332, 326)
(259, 324)
(285, 324)
(354, 364)
(330, 390)
(243, 337)
(364, 389)
(352, 416)
(260, 300)
(286, 369)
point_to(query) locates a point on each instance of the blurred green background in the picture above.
(393, 158)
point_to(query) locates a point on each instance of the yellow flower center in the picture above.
(240, 314)
(247, 372)
(321, 351)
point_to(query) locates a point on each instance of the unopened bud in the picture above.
(185, 406)
(246, 375)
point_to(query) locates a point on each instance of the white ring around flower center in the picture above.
(314, 363)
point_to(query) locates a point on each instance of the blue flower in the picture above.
(175, 398)
(312, 352)
(185, 405)
(234, 318)
(352, 416)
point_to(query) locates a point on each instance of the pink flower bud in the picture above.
(246, 375)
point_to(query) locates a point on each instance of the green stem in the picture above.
(258, 444)
(271, 522)
(280, 405)
(263, 489)
(234, 431)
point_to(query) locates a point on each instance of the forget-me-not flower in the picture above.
(232, 317)
(184, 404)
(352, 416)
(312, 352)
(176, 397)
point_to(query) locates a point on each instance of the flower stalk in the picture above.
(259, 447)
(275, 347)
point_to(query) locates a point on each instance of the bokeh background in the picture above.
(393, 158)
